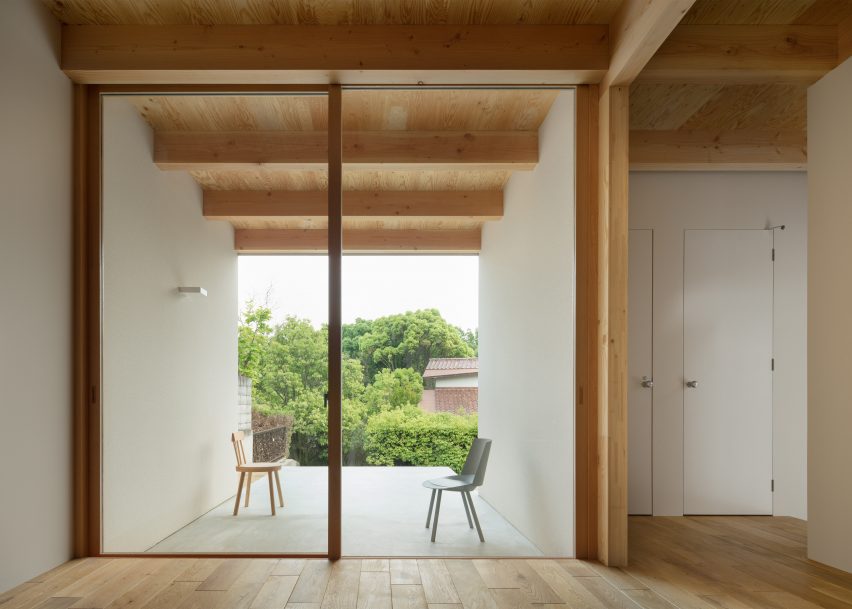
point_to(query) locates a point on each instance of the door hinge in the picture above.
(773, 254)
(772, 486)
(772, 365)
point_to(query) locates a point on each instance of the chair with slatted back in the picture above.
(247, 470)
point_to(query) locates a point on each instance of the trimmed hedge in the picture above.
(409, 436)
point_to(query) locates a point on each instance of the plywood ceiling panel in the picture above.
(664, 107)
(333, 12)
(376, 110)
(265, 179)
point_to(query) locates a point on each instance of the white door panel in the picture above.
(727, 352)
(640, 365)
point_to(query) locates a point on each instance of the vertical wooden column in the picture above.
(612, 324)
(80, 368)
(335, 262)
(586, 390)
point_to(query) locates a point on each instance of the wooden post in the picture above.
(612, 325)
(586, 391)
(335, 262)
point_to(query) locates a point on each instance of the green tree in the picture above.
(471, 338)
(410, 340)
(394, 389)
(253, 339)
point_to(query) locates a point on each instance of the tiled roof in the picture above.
(453, 363)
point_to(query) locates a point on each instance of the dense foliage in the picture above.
(383, 364)
(409, 436)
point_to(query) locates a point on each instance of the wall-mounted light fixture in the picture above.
(190, 290)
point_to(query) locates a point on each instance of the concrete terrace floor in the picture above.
(384, 514)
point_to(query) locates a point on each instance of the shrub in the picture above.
(409, 436)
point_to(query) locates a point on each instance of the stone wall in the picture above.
(272, 445)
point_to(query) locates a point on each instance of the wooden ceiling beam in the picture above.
(288, 241)
(252, 204)
(118, 54)
(188, 150)
(744, 54)
(636, 32)
(844, 40)
(741, 150)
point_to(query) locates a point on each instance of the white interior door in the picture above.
(640, 393)
(728, 357)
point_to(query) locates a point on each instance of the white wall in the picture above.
(526, 343)
(35, 295)
(170, 362)
(830, 318)
(462, 380)
(669, 203)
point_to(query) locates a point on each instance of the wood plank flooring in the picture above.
(675, 563)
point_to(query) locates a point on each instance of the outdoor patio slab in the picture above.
(384, 514)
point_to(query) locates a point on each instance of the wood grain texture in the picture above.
(636, 31)
(332, 12)
(844, 40)
(182, 150)
(363, 110)
(244, 206)
(586, 322)
(725, 150)
(678, 562)
(282, 48)
(612, 325)
(280, 241)
(771, 12)
(745, 54)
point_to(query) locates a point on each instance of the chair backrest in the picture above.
(237, 441)
(477, 460)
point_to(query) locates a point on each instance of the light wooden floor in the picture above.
(688, 563)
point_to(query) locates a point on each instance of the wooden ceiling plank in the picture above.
(744, 54)
(237, 205)
(718, 150)
(282, 241)
(118, 53)
(184, 150)
(636, 32)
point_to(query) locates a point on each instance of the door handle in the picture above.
(647, 383)
(692, 384)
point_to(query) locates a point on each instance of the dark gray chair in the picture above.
(471, 477)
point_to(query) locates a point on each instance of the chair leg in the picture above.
(249, 477)
(475, 517)
(431, 505)
(466, 510)
(280, 494)
(239, 493)
(271, 493)
(437, 511)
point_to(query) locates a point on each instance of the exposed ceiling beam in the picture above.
(844, 40)
(284, 241)
(744, 54)
(116, 54)
(715, 151)
(636, 32)
(188, 150)
(243, 205)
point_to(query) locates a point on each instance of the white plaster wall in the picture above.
(469, 380)
(35, 295)
(670, 203)
(526, 343)
(170, 362)
(829, 318)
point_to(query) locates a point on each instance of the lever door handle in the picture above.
(647, 383)
(692, 384)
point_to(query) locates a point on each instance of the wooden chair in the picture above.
(247, 470)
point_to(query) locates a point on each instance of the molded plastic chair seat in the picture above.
(471, 477)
